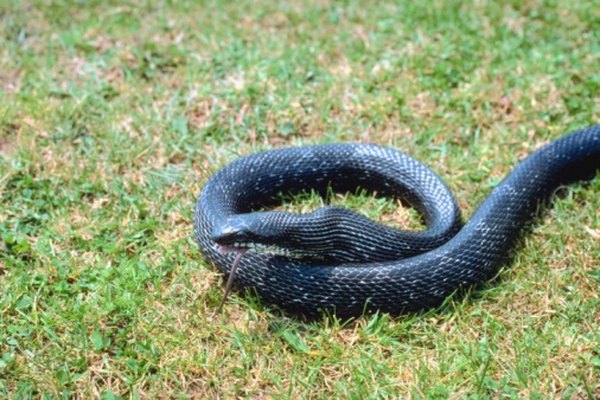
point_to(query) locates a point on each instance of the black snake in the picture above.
(337, 261)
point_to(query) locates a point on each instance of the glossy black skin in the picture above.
(375, 279)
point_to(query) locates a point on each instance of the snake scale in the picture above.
(337, 261)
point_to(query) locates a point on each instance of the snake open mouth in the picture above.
(235, 248)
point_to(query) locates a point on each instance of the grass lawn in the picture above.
(113, 116)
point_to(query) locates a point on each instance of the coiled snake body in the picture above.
(336, 260)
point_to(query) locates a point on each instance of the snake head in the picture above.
(243, 232)
(300, 236)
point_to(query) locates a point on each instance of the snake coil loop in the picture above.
(338, 261)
